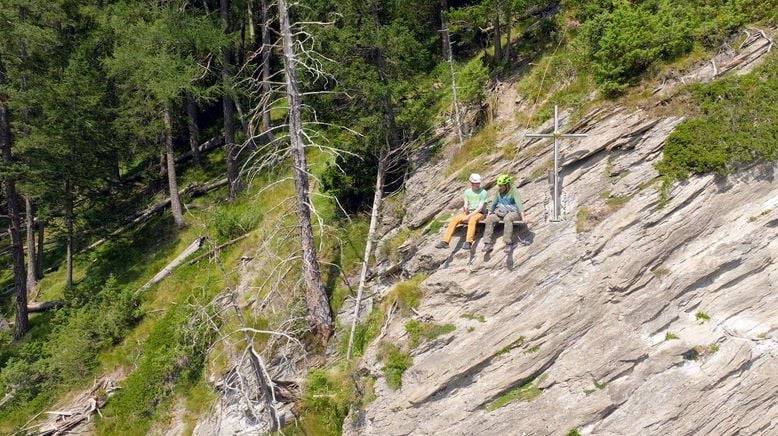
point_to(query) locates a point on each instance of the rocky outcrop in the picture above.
(631, 316)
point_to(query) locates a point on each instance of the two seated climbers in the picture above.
(506, 207)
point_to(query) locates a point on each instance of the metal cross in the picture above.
(555, 177)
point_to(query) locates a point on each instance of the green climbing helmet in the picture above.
(504, 179)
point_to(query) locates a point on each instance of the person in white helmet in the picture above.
(472, 211)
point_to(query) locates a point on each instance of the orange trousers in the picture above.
(458, 218)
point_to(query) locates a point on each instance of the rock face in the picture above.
(628, 317)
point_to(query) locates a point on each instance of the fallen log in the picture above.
(194, 246)
(64, 421)
(191, 191)
(44, 306)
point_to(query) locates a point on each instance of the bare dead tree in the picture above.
(32, 282)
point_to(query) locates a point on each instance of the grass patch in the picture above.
(581, 218)
(702, 316)
(364, 333)
(600, 384)
(438, 223)
(407, 294)
(478, 145)
(419, 332)
(472, 317)
(616, 203)
(526, 392)
(669, 336)
(507, 349)
(660, 271)
(712, 348)
(573, 432)
(395, 361)
(532, 349)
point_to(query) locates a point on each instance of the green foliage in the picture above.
(623, 40)
(425, 331)
(713, 348)
(573, 432)
(173, 353)
(231, 222)
(326, 401)
(526, 392)
(507, 349)
(407, 294)
(471, 81)
(669, 336)
(364, 333)
(580, 219)
(476, 146)
(735, 126)
(395, 363)
(701, 316)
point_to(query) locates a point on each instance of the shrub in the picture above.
(395, 363)
(526, 392)
(419, 331)
(736, 125)
(407, 294)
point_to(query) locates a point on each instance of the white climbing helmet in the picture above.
(475, 178)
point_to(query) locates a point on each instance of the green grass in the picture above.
(669, 336)
(526, 392)
(407, 294)
(702, 316)
(580, 219)
(600, 384)
(419, 332)
(467, 155)
(533, 349)
(507, 349)
(713, 348)
(395, 363)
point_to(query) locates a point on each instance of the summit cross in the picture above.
(555, 176)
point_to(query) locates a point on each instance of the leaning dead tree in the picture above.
(388, 160)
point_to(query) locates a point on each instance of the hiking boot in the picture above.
(488, 247)
(441, 244)
(509, 247)
(467, 245)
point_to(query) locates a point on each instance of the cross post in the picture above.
(555, 179)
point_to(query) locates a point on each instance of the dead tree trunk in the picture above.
(266, 51)
(319, 313)
(69, 234)
(450, 59)
(228, 109)
(14, 228)
(32, 282)
(444, 39)
(39, 258)
(175, 200)
(377, 201)
(497, 34)
(194, 129)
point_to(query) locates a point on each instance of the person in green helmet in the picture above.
(506, 207)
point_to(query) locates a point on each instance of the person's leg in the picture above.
(471, 225)
(452, 225)
(507, 233)
(489, 230)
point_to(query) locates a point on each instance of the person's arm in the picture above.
(520, 207)
(464, 208)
